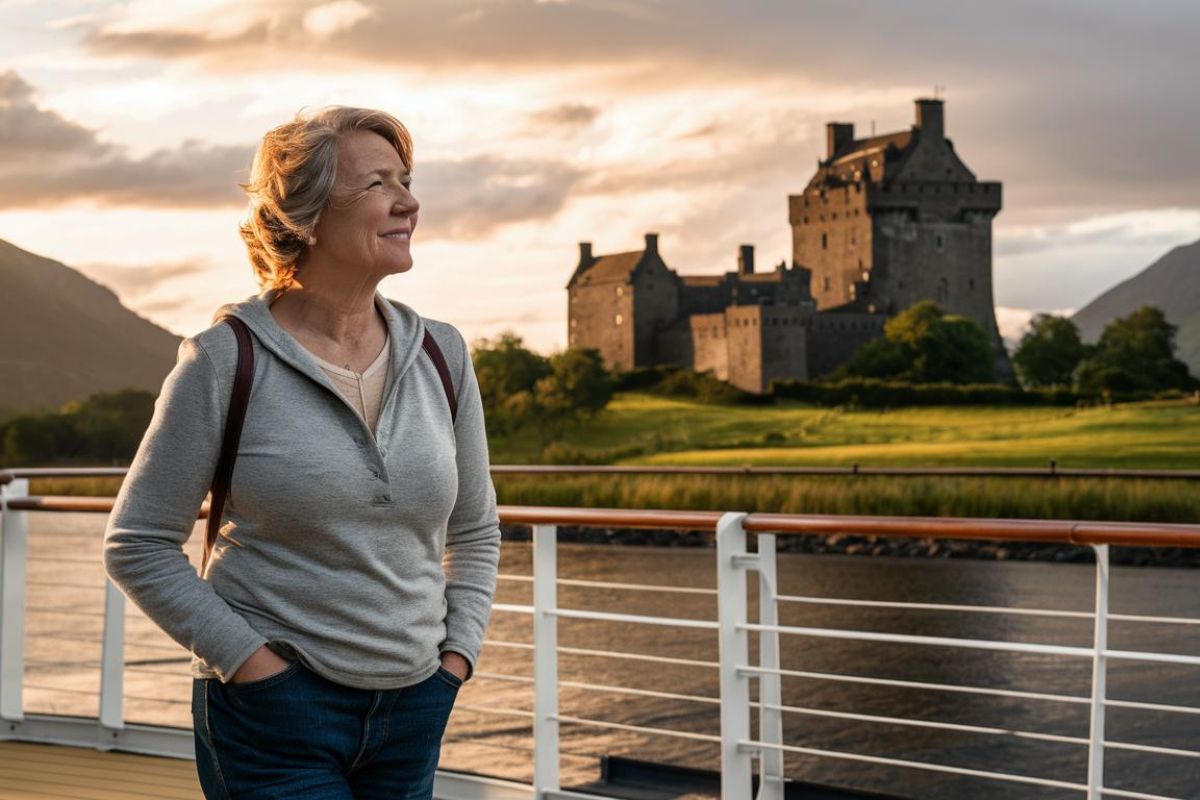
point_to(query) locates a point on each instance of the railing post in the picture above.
(14, 534)
(1099, 677)
(545, 661)
(112, 664)
(770, 720)
(736, 765)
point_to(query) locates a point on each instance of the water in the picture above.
(63, 675)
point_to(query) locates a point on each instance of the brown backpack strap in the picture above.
(439, 361)
(239, 400)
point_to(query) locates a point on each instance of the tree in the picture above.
(520, 387)
(577, 387)
(879, 358)
(924, 345)
(110, 426)
(1136, 352)
(1049, 352)
(29, 439)
(954, 349)
(505, 368)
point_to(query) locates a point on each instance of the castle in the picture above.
(885, 222)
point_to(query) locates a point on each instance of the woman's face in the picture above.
(366, 227)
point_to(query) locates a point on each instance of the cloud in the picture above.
(1158, 229)
(340, 15)
(471, 198)
(1013, 322)
(46, 161)
(27, 131)
(133, 281)
(564, 117)
(1086, 111)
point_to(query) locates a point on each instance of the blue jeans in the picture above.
(299, 736)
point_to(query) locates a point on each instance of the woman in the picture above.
(346, 598)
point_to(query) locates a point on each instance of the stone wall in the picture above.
(831, 236)
(835, 336)
(600, 315)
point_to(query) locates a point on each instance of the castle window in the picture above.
(941, 243)
(971, 283)
(824, 241)
(618, 319)
(825, 284)
(834, 216)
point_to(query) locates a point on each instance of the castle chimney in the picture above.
(652, 243)
(585, 253)
(746, 259)
(931, 118)
(837, 135)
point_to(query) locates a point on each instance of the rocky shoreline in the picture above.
(857, 545)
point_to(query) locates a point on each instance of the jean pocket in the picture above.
(449, 677)
(263, 683)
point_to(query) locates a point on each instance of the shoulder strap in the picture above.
(240, 398)
(439, 361)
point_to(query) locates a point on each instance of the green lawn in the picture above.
(646, 429)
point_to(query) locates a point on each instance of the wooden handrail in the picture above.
(1052, 470)
(1131, 534)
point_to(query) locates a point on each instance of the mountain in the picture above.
(1172, 283)
(64, 337)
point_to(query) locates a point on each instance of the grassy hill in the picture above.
(1172, 283)
(66, 337)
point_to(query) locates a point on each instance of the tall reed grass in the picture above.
(1050, 498)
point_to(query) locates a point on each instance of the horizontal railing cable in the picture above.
(903, 684)
(922, 723)
(924, 765)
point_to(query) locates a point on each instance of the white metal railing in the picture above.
(741, 756)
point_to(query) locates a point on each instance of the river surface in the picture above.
(64, 627)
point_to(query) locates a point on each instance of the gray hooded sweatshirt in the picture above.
(365, 556)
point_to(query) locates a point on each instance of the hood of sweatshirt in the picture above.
(406, 331)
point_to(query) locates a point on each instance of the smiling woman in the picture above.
(345, 599)
(298, 172)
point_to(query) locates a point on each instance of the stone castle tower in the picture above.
(885, 222)
(890, 220)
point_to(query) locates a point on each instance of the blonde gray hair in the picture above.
(291, 183)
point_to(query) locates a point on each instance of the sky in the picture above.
(125, 128)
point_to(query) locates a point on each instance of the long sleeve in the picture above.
(472, 555)
(155, 513)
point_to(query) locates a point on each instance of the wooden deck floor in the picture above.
(52, 772)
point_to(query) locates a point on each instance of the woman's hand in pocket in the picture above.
(262, 663)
